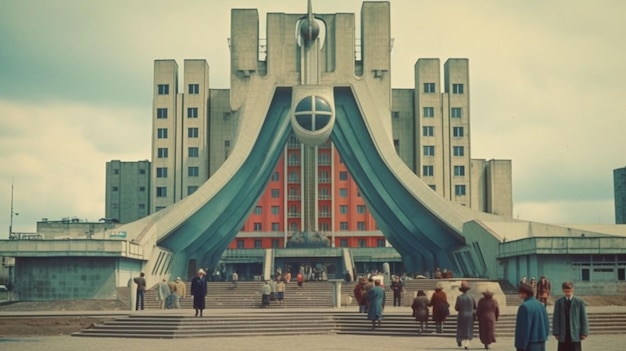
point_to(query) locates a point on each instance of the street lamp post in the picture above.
(12, 213)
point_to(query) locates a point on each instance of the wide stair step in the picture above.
(281, 322)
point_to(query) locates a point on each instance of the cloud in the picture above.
(56, 154)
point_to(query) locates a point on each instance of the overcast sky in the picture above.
(547, 78)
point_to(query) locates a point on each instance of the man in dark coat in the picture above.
(531, 325)
(570, 325)
(199, 291)
(141, 290)
(543, 290)
(396, 287)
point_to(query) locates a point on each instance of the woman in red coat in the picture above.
(487, 313)
(441, 308)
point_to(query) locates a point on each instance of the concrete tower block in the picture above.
(244, 51)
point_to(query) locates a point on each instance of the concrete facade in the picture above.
(127, 192)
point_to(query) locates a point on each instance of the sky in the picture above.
(547, 81)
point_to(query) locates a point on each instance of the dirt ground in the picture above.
(50, 326)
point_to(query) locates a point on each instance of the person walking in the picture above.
(300, 280)
(487, 312)
(359, 294)
(375, 303)
(266, 291)
(163, 291)
(531, 323)
(141, 291)
(280, 291)
(199, 291)
(181, 291)
(235, 279)
(543, 290)
(396, 287)
(420, 310)
(570, 325)
(465, 306)
(441, 307)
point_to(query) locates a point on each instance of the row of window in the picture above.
(457, 132)
(115, 188)
(429, 150)
(429, 112)
(139, 206)
(117, 171)
(191, 133)
(161, 172)
(161, 191)
(343, 226)
(457, 88)
(429, 171)
(192, 112)
(164, 89)
(343, 209)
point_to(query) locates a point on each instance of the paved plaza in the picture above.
(272, 343)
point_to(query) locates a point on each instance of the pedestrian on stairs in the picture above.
(199, 291)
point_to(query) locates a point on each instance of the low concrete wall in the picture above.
(65, 278)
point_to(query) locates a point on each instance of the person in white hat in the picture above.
(199, 291)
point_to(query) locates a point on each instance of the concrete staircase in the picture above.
(302, 322)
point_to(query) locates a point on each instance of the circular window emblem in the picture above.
(313, 113)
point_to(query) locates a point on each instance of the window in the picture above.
(343, 175)
(428, 112)
(161, 113)
(343, 226)
(360, 209)
(191, 189)
(361, 243)
(275, 226)
(142, 188)
(193, 152)
(293, 226)
(360, 225)
(192, 132)
(194, 89)
(192, 112)
(343, 192)
(116, 171)
(457, 88)
(457, 132)
(257, 228)
(142, 171)
(380, 243)
(275, 243)
(343, 209)
(459, 189)
(428, 131)
(343, 242)
(159, 208)
(161, 191)
(115, 188)
(162, 152)
(458, 150)
(433, 187)
(258, 210)
(193, 171)
(275, 194)
(459, 170)
(457, 112)
(141, 206)
(226, 143)
(258, 244)
(275, 210)
(275, 177)
(293, 177)
(240, 244)
(429, 88)
(161, 172)
(428, 171)
(395, 114)
(162, 133)
(163, 89)
(429, 150)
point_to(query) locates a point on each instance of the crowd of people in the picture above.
(569, 321)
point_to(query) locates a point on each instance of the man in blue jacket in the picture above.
(531, 327)
(570, 325)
